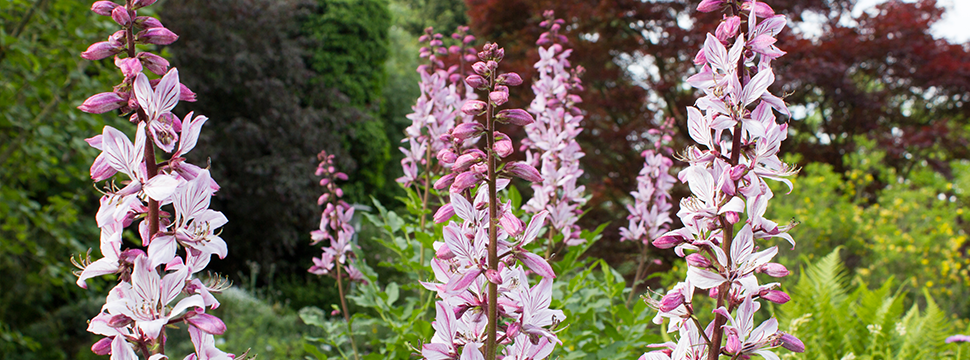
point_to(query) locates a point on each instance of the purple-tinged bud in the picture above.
(510, 79)
(444, 213)
(103, 7)
(713, 292)
(339, 192)
(446, 137)
(424, 38)
(468, 39)
(470, 57)
(119, 320)
(153, 63)
(446, 156)
(475, 81)
(732, 217)
(473, 107)
(761, 9)
(738, 172)
(467, 131)
(103, 346)
(791, 343)
(710, 5)
(436, 42)
(517, 117)
(208, 323)
(101, 169)
(441, 51)
(671, 301)
(120, 15)
(500, 96)
(493, 276)
(323, 198)
(698, 260)
(454, 78)
(524, 171)
(775, 296)
(156, 36)
(341, 176)
(103, 49)
(728, 28)
(142, 3)
(480, 68)
(444, 252)
(185, 94)
(503, 145)
(468, 159)
(324, 181)
(102, 103)
(667, 241)
(499, 55)
(775, 270)
(454, 49)
(445, 181)
(335, 312)
(733, 344)
(491, 65)
(700, 58)
(147, 22)
(465, 180)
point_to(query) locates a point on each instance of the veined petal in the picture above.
(704, 279)
(535, 225)
(161, 186)
(166, 94)
(144, 94)
(537, 264)
(757, 86)
(161, 250)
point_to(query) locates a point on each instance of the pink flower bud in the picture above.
(185, 94)
(499, 96)
(156, 36)
(468, 159)
(143, 3)
(775, 296)
(728, 28)
(698, 260)
(103, 7)
(761, 9)
(208, 323)
(524, 171)
(700, 58)
(445, 181)
(101, 169)
(147, 22)
(499, 55)
(710, 5)
(103, 49)
(775, 270)
(733, 344)
(473, 107)
(445, 212)
(102, 103)
(491, 65)
(480, 68)
(732, 217)
(120, 15)
(468, 39)
(493, 276)
(119, 320)
(323, 198)
(503, 145)
(671, 301)
(738, 172)
(475, 81)
(470, 57)
(103, 346)
(791, 343)
(340, 176)
(153, 63)
(667, 242)
(454, 78)
(510, 79)
(444, 253)
(335, 312)
(713, 292)
(465, 180)
(467, 131)
(446, 156)
(517, 117)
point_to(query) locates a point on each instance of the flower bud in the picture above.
(710, 5)
(524, 171)
(147, 22)
(119, 320)
(775, 296)
(470, 57)
(102, 103)
(468, 159)
(499, 55)
(103, 346)
(713, 292)
(761, 9)
(445, 181)
(341, 176)
(732, 217)
(323, 198)
(738, 172)
(208, 323)
(733, 344)
(493, 276)
(446, 156)
(728, 28)
(468, 39)
(444, 252)
(510, 79)
(467, 131)
(503, 145)
(480, 68)
(120, 15)
(500, 96)
(473, 107)
(185, 94)
(667, 241)
(103, 7)
(698, 260)
(492, 65)
(142, 3)
(465, 180)
(103, 49)
(156, 36)
(791, 343)
(775, 270)
(475, 81)
(671, 301)
(445, 212)
(516, 117)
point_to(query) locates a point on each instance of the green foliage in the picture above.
(912, 230)
(836, 323)
(443, 15)
(46, 199)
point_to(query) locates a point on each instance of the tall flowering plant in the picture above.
(739, 139)
(650, 212)
(157, 285)
(551, 144)
(485, 297)
(338, 256)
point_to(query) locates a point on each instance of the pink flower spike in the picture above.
(102, 103)
(103, 7)
(156, 36)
